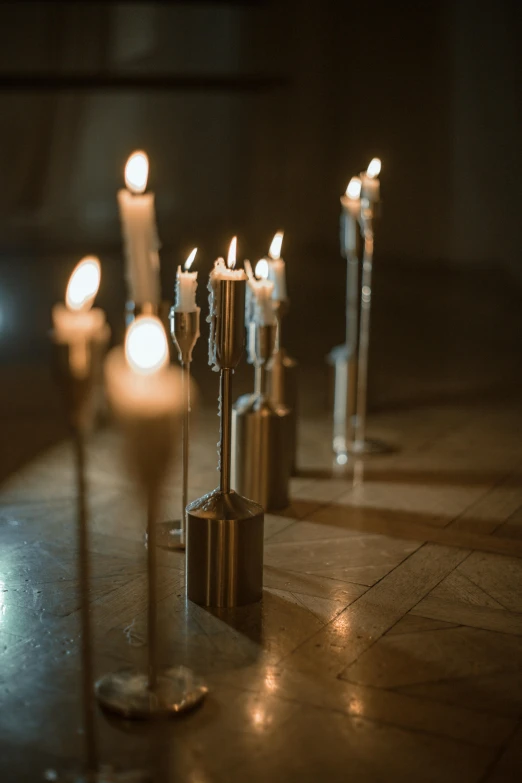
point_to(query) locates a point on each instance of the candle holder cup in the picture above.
(282, 381)
(261, 445)
(150, 445)
(224, 529)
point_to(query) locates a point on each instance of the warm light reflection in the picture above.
(146, 347)
(374, 168)
(354, 188)
(137, 172)
(262, 269)
(231, 258)
(83, 284)
(190, 259)
(275, 247)
(356, 706)
(271, 681)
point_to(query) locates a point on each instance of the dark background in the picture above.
(255, 115)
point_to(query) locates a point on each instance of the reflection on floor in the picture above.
(388, 645)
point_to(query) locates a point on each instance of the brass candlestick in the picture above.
(78, 366)
(184, 329)
(282, 381)
(261, 444)
(224, 529)
(151, 433)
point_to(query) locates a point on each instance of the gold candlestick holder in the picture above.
(282, 381)
(261, 432)
(224, 529)
(150, 440)
(184, 330)
(77, 368)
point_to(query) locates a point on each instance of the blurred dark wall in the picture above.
(431, 87)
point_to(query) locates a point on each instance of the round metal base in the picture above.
(103, 775)
(368, 447)
(127, 693)
(168, 535)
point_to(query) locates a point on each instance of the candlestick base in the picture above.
(169, 535)
(261, 451)
(367, 447)
(224, 550)
(127, 693)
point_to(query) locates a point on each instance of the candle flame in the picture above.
(146, 347)
(354, 188)
(374, 168)
(190, 259)
(275, 247)
(231, 258)
(83, 284)
(262, 269)
(137, 172)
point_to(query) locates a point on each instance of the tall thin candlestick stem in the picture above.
(352, 297)
(185, 382)
(84, 579)
(226, 421)
(152, 588)
(364, 338)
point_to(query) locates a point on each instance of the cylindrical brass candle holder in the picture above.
(261, 432)
(225, 530)
(282, 382)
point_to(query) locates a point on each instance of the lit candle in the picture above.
(186, 284)
(351, 204)
(76, 320)
(140, 236)
(370, 185)
(260, 292)
(276, 268)
(140, 384)
(221, 271)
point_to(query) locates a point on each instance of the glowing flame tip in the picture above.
(83, 284)
(137, 172)
(262, 269)
(232, 250)
(190, 259)
(146, 347)
(374, 168)
(275, 248)
(354, 188)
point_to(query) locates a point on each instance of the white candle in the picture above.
(186, 284)
(276, 268)
(370, 185)
(76, 321)
(351, 203)
(138, 222)
(261, 308)
(140, 384)
(220, 271)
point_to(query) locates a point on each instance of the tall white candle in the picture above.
(276, 268)
(220, 271)
(138, 222)
(370, 185)
(261, 309)
(186, 284)
(351, 204)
